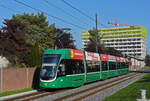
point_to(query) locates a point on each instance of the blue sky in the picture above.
(134, 12)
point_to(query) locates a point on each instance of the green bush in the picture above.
(35, 56)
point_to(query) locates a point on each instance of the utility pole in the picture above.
(96, 32)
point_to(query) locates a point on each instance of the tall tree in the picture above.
(39, 28)
(39, 32)
(20, 35)
(12, 41)
(43, 33)
(91, 46)
(113, 51)
(64, 39)
(47, 39)
(34, 58)
(147, 60)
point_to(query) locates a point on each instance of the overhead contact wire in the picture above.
(48, 14)
(64, 11)
(80, 11)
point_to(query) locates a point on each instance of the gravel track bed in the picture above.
(74, 90)
(101, 95)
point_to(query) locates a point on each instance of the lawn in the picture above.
(15, 92)
(132, 92)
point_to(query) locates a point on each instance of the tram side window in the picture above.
(71, 67)
(118, 65)
(123, 65)
(127, 65)
(112, 65)
(61, 70)
(104, 66)
(93, 66)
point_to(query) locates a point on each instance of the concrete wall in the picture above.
(18, 78)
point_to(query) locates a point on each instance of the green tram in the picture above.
(63, 68)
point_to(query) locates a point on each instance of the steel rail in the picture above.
(41, 94)
(102, 89)
(86, 90)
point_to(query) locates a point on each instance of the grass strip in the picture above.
(15, 92)
(132, 91)
(146, 67)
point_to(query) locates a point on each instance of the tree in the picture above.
(24, 38)
(34, 58)
(39, 32)
(12, 41)
(91, 46)
(113, 51)
(147, 60)
(47, 39)
(43, 33)
(64, 39)
(39, 28)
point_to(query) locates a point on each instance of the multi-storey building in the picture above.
(129, 40)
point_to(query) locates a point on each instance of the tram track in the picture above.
(101, 87)
(36, 95)
(77, 96)
(43, 95)
(24, 96)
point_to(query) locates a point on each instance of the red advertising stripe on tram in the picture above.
(76, 54)
(111, 58)
(103, 57)
(118, 59)
(92, 56)
(122, 59)
(127, 60)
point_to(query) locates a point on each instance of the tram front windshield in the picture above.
(49, 66)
